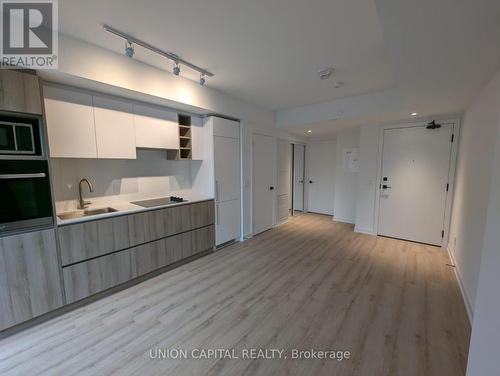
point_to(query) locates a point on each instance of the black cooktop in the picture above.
(159, 201)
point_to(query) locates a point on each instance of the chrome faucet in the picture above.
(82, 203)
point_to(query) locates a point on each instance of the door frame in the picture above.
(274, 164)
(292, 177)
(451, 171)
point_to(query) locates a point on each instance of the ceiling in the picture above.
(264, 52)
(435, 54)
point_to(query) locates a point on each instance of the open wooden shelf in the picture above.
(184, 152)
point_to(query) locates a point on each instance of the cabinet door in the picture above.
(155, 128)
(226, 128)
(202, 214)
(114, 128)
(82, 241)
(227, 221)
(70, 123)
(227, 168)
(202, 239)
(96, 275)
(158, 254)
(30, 283)
(20, 92)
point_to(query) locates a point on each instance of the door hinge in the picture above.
(442, 233)
(452, 137)
(447, 187)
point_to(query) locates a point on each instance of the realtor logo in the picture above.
(29, 34)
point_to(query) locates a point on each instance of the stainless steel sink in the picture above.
(85, 213)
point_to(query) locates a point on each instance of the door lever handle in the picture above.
(386, 187)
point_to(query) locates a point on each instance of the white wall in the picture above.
(345, 181)
(114, 180)
(472, 187)
(367, 179)
(486, 326)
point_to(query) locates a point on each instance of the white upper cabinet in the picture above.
(155, 128)
(70, 123)
(226, 128)
(114, 128)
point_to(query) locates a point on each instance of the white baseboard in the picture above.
(468, 306)
(367, 231)
(343, 220)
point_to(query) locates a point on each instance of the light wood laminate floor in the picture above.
(311, 283)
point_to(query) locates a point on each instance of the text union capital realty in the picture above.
(176, 353)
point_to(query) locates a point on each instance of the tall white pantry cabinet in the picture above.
(227, 179)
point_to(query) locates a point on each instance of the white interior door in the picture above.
(263, 183)
(414, 183)
(298, 177)
(321, 181)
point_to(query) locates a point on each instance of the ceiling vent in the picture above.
(326, 73)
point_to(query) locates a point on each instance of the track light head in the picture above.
(177, 69)
(202, 79)
(129, 50)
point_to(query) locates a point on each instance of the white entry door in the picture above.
(263, 183)
(321, 181)
(298, 177)
(414, 183)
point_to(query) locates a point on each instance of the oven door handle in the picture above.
(22, 176)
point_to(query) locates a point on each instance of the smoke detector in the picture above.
(325, 74)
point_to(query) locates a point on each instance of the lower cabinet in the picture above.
(98, 274)
(158, 254)
(87, 240)
(30, 283)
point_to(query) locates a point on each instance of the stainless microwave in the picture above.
(17, 139)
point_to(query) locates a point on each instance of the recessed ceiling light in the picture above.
(309, 131)
(414, 114)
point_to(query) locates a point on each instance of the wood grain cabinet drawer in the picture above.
(158, 254)
(202, 239)
(86, 240)
(161, 253)
(202, 214)
(96, 275)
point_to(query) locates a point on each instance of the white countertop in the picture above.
(126, 208)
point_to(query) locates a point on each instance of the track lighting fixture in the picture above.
(177, 68)
(130, 41)
(129, 49)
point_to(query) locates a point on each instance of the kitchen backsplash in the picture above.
(150, 175)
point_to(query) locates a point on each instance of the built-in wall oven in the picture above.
(25, 193)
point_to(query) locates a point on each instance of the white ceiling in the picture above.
(436, 54)
(264, 52)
